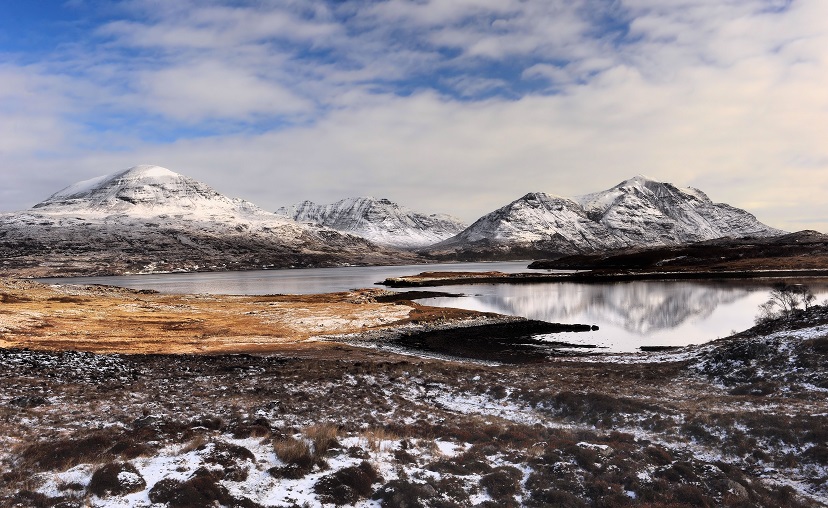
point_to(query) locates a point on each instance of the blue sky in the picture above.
(456, 106)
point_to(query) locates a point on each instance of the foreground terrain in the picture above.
(303, 419)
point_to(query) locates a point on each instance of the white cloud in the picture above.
(186, 25)
(212, 89)
(30, 109)
(727, 96)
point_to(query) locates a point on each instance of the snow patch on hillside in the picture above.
(378, 220)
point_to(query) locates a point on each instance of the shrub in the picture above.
(208, 422)
(659, 455)
(200, 491)
(294, 451)
(231, 458)
(472, 461)
(679, 472)
(129, 449)
(257, 428)
(9, 298)
(347, 485)
(376, 436)
(502, 483)
(402, 493)
(66, 453)
(32, 499)
(117, 478)
(596, 407)
(554, 497)
(692, 496)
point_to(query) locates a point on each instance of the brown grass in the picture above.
(111, 320)
(294, 452)
(323, 436)
(376, 439)
(194, 444)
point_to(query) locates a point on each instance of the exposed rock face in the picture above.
(149, 219)
(636, 212)
(379, 220)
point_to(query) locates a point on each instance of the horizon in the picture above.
(95, 180)
(442, 107)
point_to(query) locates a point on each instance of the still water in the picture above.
(629, 314)
(302, 281)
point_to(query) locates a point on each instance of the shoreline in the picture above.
(113, 320)
(429, 279)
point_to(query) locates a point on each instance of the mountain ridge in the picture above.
(638, 211)
(381, 221)
(148, 219)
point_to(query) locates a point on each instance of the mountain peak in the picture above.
(148, 218)
(381, 221)
(541, 196)
(144, 191)
(639, 211)
(134, 174)
(149, 171)
(637, 181)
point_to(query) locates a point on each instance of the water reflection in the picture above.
(629, 314)
(637, 307)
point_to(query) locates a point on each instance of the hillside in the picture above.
(635, 213)
(378, 220)
(149, 219)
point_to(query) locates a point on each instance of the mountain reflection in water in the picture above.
(629, 314)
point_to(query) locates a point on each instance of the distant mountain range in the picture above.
(635, 213)
(378, 220)
(150, 219)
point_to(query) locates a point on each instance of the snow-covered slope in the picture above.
(148, 191)
(649, 212)
(636, 212)
(378, 220)
(148, 218)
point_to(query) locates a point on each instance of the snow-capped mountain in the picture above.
(148, 218)
(636, 212)
(378, 220)
(147, 191)
(647, 212)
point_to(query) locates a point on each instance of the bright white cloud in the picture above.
(216, 90)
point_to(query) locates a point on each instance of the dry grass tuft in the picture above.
(195, 443)
(379, 439)
(293, 451)
(323, 436)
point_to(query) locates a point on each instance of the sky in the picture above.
(452, 106)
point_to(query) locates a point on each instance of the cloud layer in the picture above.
(455, 107)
